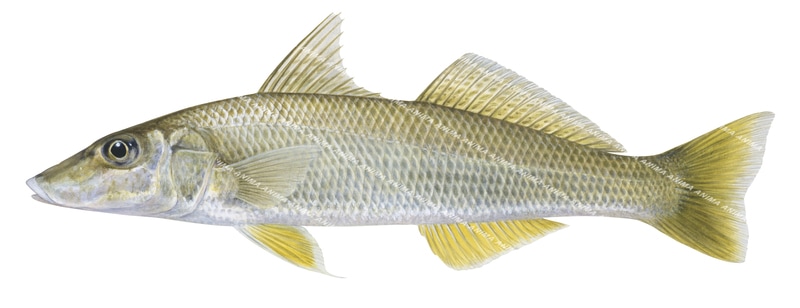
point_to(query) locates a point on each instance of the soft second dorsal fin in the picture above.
(314, 66)
(482, 86)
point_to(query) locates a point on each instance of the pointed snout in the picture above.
(40, 195)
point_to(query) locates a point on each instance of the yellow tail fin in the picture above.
(717, 168)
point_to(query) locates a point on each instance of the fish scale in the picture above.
(424, 158)
(479, 162)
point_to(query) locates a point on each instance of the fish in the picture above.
(480, 162)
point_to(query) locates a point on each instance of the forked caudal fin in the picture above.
(716, 169)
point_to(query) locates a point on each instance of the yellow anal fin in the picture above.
(479, 85)
(471, 245)
(291, 243)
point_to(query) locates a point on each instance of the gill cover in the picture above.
(190, 170)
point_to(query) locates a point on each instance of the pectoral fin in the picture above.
(471, 245)
(268, 178)
(293, 244)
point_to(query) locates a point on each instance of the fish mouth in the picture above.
(40, 195)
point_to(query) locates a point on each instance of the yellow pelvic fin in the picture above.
(716, 169)
(482, 86)
(268, 178)
(293, 244)
(471, 245)
(314, 66)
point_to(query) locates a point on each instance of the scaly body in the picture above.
(394, 162)
(478, 161)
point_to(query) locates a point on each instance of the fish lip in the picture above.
(40, 195)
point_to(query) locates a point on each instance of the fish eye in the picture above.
(121, 151)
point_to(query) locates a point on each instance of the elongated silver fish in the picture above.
(478, 161)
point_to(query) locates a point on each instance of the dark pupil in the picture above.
(118, 149)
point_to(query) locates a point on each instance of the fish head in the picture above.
(120, 173)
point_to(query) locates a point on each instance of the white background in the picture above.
(652, 76)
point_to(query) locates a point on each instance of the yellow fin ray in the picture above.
(482, 86)
(471, 245)
(716, 168)
(293, 244)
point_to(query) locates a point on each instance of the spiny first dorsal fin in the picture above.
(482, 86)
(314, 66)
